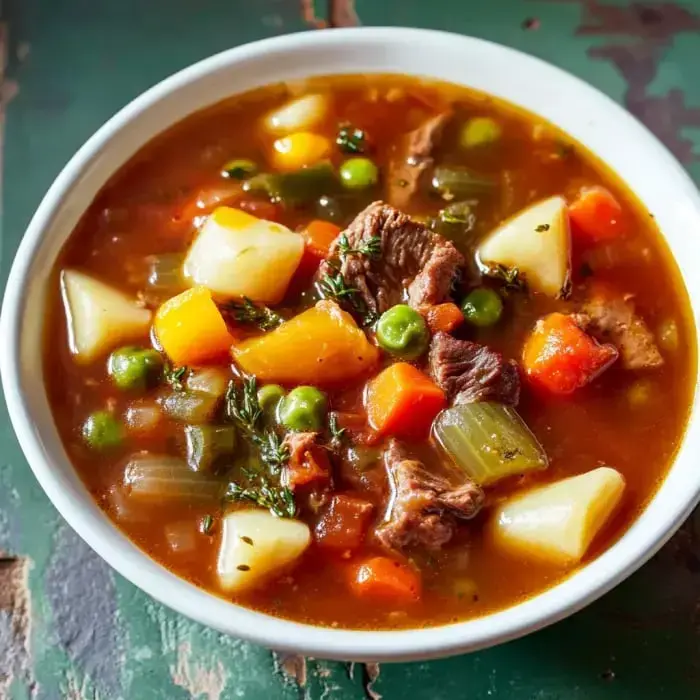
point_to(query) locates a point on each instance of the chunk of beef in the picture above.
(469, 372)
(308, 462)
(425, 507)
(413, 159)
(414, 263)
(614, 320)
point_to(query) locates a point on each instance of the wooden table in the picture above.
(69, 626)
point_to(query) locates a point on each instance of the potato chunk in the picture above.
(297, 115)
(239, 255)
(557, 523)
(99, 316)
(536, 241)
(255, 545)
(321, 346)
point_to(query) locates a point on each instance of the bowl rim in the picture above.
(578, 590)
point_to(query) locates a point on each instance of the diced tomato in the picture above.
(403, 401)
(384, 579)
(596, 216)
(561, 358)
(443, 317)
(342, 526)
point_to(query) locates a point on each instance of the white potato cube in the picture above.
(237, 255)
(557, 523)
(99, 316)
(536, 241)
(255, 545)
(300, 114)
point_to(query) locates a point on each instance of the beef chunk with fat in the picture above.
(469, 372)
(414, 264)
(614, 320)
(425, 507)
(308, 461)
(414, 159)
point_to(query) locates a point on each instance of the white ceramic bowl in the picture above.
(587, 115)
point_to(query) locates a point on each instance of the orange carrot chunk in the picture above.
(444, 317)
(190, 328)
(403, 401)
(319, 235)
(385, 579)
(561, 358)
(342, 526)
(596, 215)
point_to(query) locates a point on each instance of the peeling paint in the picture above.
(200, 682)
(81, 594)
(15, 625)
(370, 676)
(292, 667)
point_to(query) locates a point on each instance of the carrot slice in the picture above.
(342, 526)
(596, 215)
(403, 401)
(561, 358)
(319, 235)
(190, 328)
(385, 579)
(444, 317)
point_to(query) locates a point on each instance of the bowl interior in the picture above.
(585, 114)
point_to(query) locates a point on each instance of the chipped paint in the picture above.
(81, 594)
(370, 676)
(292, 667)
(195, 678)
(637, 38)
(15, 625)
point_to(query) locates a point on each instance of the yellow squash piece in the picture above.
(99, 316)
(237, 255)
(256, 545)
(557, 523)
(537, 242)
(321, 346)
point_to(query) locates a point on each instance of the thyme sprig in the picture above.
(511, 278)
(279, 500)
(175, 376)
(246, 311)
(369, 248)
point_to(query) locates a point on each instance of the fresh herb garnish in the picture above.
(370, 248)
(243, 408)
(278, 499)
(510, 277)
(175, 376)
(333, 286)
(239, 169)
(458, 213)
(540, 228)
(248, 312)
(338, 434)
(207, 524)
(351, 140)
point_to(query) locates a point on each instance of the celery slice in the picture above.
(488, 441)
(208, 444)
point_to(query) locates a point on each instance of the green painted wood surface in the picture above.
(69, 626)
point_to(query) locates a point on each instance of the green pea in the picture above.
(482, 307)
(239, 169)
(402, 331)
(479, 131)
(135, 368)
(102, 431)
(303, 408)
(359, 173)
(269, 397)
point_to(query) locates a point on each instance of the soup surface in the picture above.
(369, 352)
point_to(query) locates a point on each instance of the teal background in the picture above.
(72, 628)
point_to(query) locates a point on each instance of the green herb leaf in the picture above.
(351, 140)
(333, 286)
(370, 248)
(510, 277)
(541, 228)
(207, 524)
(278, 499)
(175, 376)
(338, 434)
(248, 312)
